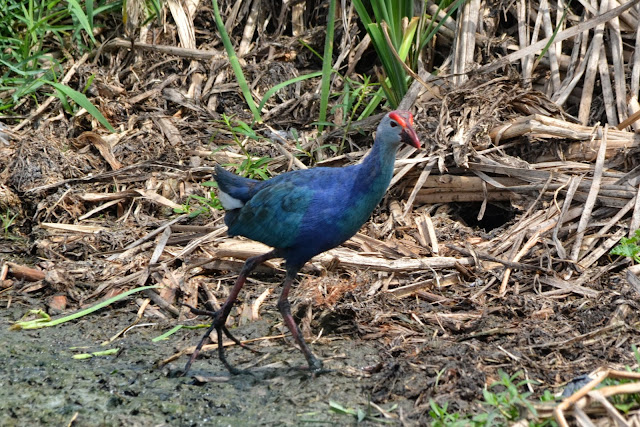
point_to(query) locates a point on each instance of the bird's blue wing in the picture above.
(274, 214)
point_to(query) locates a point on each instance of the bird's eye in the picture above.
(393, 124)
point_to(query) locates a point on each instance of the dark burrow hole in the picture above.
(495, 215)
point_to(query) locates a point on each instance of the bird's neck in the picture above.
(374, 175)
(378, 164)
(371, 178)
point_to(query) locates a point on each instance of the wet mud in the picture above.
(42, 384)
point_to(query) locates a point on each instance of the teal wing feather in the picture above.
(273, 215)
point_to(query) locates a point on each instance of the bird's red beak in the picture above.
(408, 135)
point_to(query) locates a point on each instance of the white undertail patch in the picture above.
(228, 202)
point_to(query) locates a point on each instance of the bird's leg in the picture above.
(315, 364)
(220, 316)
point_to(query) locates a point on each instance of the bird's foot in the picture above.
(232, 369)
(216, 315)
(218, 323)
(316, 367)
(235, 371)
(238, 342)
(317, 372)
(197, 311)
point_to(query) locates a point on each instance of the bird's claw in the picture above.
(316, 368)
(315, 371)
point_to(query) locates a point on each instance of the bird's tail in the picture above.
(235, 190)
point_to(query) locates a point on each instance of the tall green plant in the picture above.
(28, 29)
(392, 13)
(235, 63)
(406, 39)
(327, 62)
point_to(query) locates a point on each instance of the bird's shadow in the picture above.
(252, 374)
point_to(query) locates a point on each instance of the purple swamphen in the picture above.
(303, 213)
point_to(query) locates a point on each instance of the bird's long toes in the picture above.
(201, 312)
(316, 368)
(235, 371)
(317, 372)
(237, 341)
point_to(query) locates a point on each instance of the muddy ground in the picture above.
(399, 367)
(41, 384)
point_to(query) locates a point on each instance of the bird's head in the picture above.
(397, 126)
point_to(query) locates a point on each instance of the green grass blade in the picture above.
(235, 63)
(372, 105)
(551, 39)
(26, 87)
(80, 99)
(312, 50)
(82, 18)
(380, 11)
(408, 39)
(85, 356)
(327, 64)
(43, 323)
(279, 86)
(90, 13)
(16, 68)
(394, 72)
(167, 334)
(362, 13)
